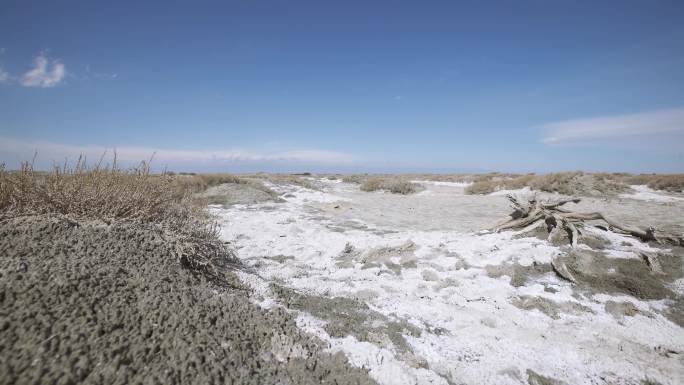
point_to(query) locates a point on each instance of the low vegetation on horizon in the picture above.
(568, 183)
(393, 184)
(109, 193)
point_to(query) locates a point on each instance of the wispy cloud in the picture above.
(589, 130)
(24, 149)
(45, 73)
(90, 74)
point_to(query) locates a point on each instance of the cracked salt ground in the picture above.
(425, 300)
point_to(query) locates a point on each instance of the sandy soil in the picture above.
(110, 304)
(405, 286)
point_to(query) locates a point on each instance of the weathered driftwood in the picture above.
(652, 262)
(531, 212)
(562, 271)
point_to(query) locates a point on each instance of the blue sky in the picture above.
(347, 86)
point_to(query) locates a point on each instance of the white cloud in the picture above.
(98, 75)
(17, 149)
(44, 73)
(618, 127)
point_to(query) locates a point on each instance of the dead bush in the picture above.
(490, 183)
(578, 183)
(641, 179)
(391, 184)
(200, 182)
(567, 183)
(482, 187)
(560, 182)
(354, 178)
(109, 194)
(671, 183)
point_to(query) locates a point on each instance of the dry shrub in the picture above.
(667, 182)
(489, 183)
(110, 194)
(497, 176)
(641, 179)
(518, 182)
(579, 183)
(354, 178)
(372, 184)
(560, 182)
(615, 176)
(91, 193)
(672, 183)
(216, 179)
(201, 182)
(291, 179)
(393, 185)
(567, 183)
(482, 187)
(457, 178)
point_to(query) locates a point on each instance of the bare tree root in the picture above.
(652, 262)
(531, 212)
(562, 271)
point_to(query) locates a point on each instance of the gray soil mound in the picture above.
(624, 276)
(111, 304)
(238, 193)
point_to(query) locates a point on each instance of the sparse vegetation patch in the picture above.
(566, 183)
(112, 195)
(672, 183)
(392, 184)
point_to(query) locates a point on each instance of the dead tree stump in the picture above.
(530, 213)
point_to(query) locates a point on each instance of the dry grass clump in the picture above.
(579, 183)
(354, 178)
(397, 184)
(519, 181)
(109, 194)
(456, 178)
(482, 187)
(672, 183)
(91, 193)
(489, 183)
(666, 182)
(393, 185)
(567, 183)
(560, 182)
(201, 182)
(641, 179)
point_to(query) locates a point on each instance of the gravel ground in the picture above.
(96, 303)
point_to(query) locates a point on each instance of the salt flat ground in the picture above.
(406, 287)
